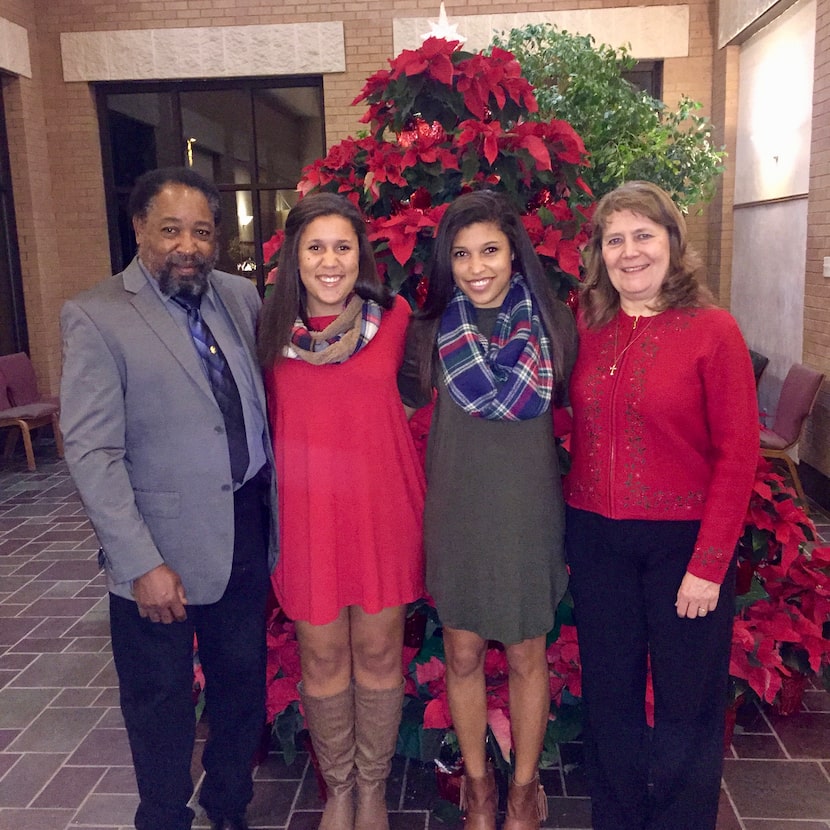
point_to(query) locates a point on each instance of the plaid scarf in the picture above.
(354, 327)
(511, 377)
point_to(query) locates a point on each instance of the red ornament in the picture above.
(420, 199)
(421, 291)
(572, 300)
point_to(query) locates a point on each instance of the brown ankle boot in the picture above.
(527, 805)
(377, 718)
(331, 726)
(479, 801)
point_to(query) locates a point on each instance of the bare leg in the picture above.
(325, 656)
(467, 696)
(529, 704)
(376, 646)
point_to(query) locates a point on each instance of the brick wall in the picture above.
(816, 448)
(54, 138)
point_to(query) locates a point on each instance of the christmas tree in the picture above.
(441, 122)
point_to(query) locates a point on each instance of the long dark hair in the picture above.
(681, 287)
(287, 300)
(470, 209)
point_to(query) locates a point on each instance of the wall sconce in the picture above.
(190, 142)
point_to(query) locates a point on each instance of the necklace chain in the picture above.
(618, 358)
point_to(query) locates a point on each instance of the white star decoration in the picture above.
(442, 28)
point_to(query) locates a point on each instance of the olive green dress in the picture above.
(494, 516)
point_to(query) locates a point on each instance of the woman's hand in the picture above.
(696, 597)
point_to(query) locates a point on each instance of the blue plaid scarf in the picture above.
(509, 378)
(345, 336)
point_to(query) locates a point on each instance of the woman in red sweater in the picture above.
(665, 446)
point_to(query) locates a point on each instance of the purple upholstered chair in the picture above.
(798, 395)
(23, 407)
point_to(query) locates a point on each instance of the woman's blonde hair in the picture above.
(681, 288)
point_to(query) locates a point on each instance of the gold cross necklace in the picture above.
(628, 345)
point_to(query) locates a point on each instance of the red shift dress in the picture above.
(351, 488)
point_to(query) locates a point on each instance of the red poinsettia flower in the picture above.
(402, 231)
(568, 256)
(756, 658)
(437, 713)
(342, 155)
(427, 150)
(568, 145)
(495, 664)
(383, 163)
(533, 226)
(564, 663)
(315, 175)
(498, 719)
(433, 58)
(550, 242)
(374, 85)
(499, 75)
(282, 692)
(485, 135)
(273, 245)
(529, 136)
(430, 671)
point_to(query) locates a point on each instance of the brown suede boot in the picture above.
(331, 726)
(527, 805)
(479, 801)
(377, 718)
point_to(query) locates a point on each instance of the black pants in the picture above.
(624, 580)
(155, 672)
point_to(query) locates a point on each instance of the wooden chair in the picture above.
(22, 406)
(798, 396)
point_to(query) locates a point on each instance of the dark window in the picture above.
(648, 76)
(251, 137)
(13, 333)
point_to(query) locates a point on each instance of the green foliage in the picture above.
(629, 134)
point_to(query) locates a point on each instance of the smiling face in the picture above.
(636, 254)
(329, 258)
(177, 239)
(482, 264)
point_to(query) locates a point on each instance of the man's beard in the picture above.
(192, 285)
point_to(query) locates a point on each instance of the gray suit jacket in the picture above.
(145, 439)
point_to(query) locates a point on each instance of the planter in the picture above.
(264, 745)
(729, 721)
(743, 576)
(414, 630)
(791, 695)
(448, 782)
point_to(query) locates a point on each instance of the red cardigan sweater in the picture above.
(673, 433)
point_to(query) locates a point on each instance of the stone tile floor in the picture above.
(64, 758)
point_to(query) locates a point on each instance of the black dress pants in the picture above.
(155, 672)
(624, 579)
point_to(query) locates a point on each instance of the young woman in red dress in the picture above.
(351, 494)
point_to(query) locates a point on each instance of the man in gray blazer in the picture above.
(179, 487)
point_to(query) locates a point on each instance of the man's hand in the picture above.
(696, 597)
(160, 595)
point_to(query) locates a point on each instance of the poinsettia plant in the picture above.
(442, 121)
(781, 629)
(283, 675)
(783, 622)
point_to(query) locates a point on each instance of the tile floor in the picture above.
(64, 758)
